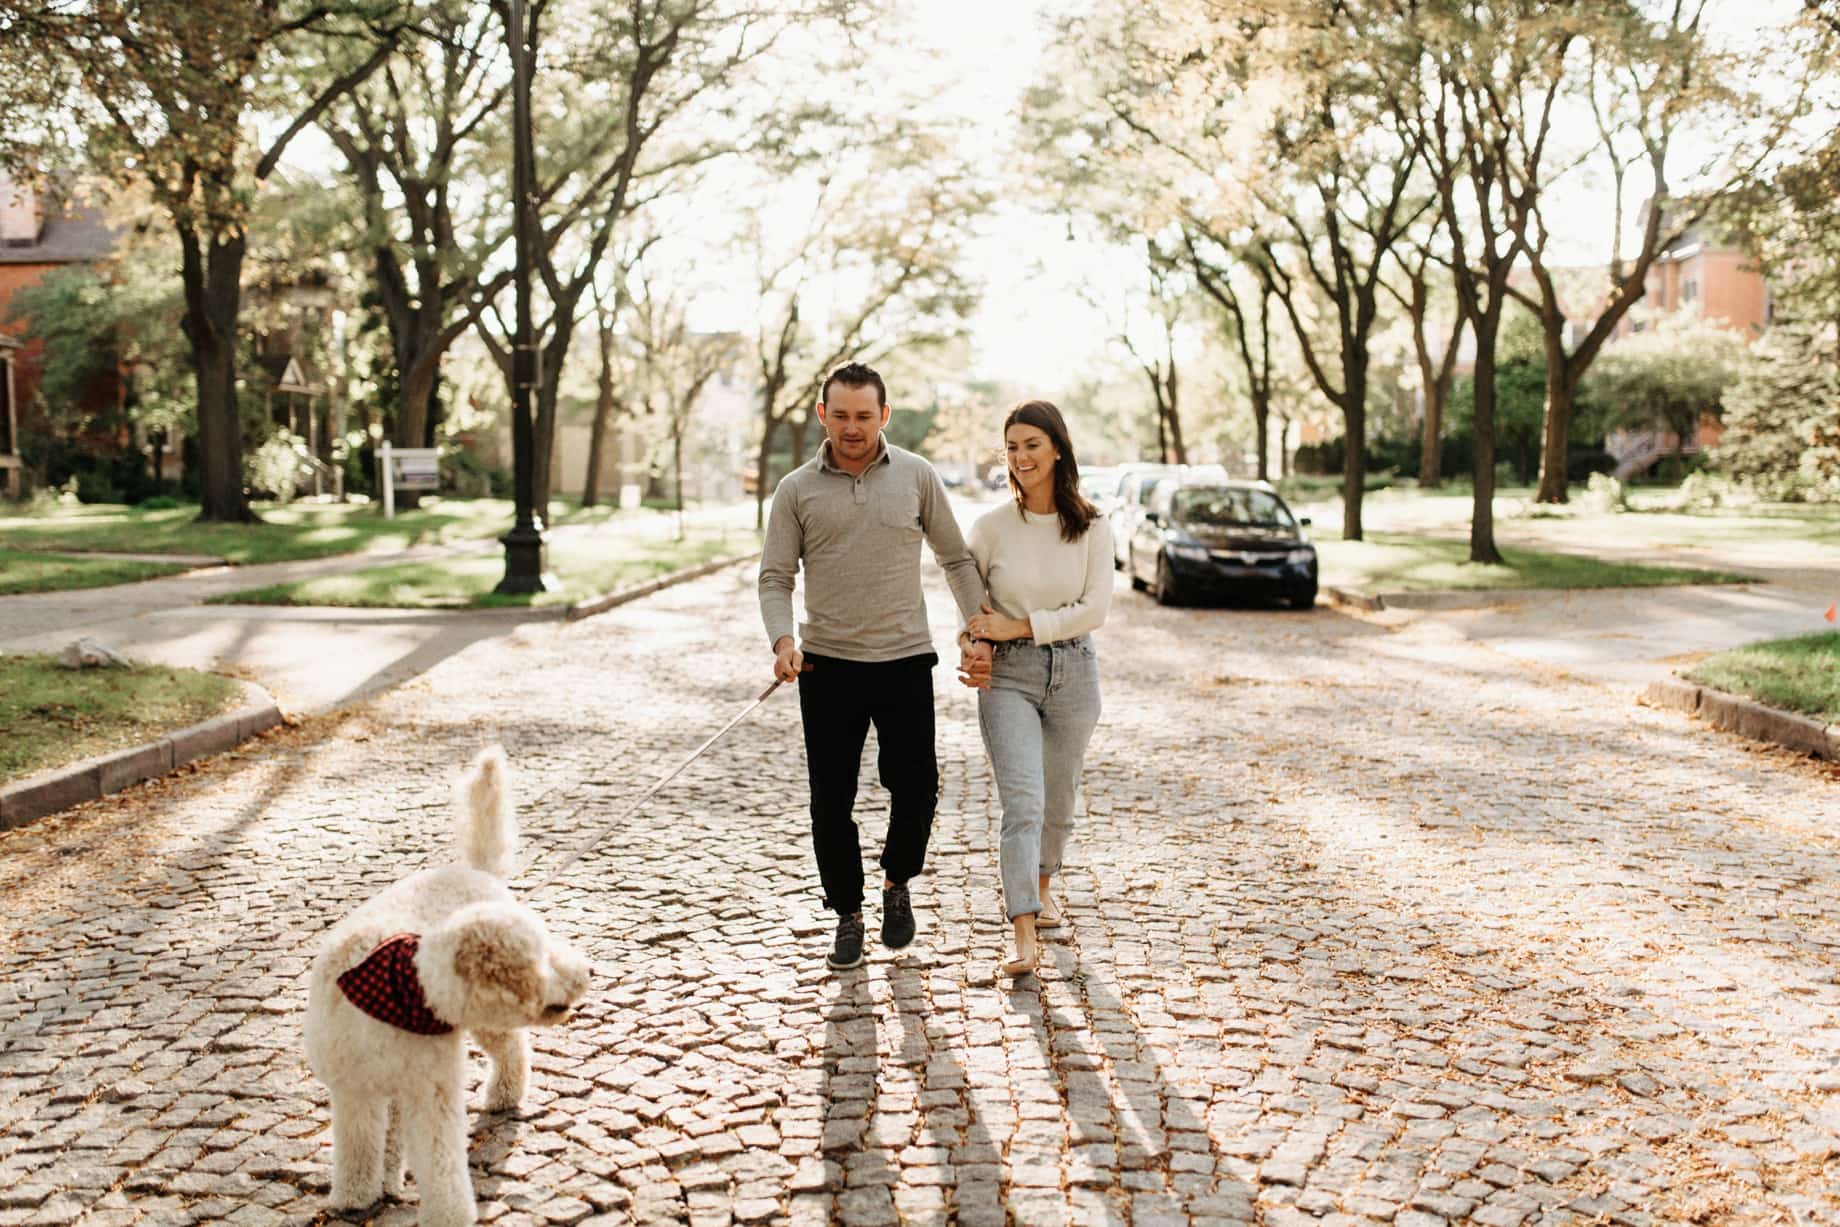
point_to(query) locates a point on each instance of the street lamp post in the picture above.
(525, 553)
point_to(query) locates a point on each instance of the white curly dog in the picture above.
(441, 953)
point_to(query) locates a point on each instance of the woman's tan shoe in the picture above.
(1021, 967)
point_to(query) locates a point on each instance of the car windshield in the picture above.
(1230, 508)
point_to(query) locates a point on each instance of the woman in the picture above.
(1047, 564)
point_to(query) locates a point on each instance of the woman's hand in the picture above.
(995, 626)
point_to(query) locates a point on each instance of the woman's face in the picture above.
(1031, 458)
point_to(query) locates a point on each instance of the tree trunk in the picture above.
(603, 410)
(677, 473)
(1431, 436)
(1173, 403)
(1482, 514)
(1556, 440)
(548, 391)
(798, 428)
(1434, 378)
(1354, 442)
(213, 291)
(760, 470)
(1261, 422)
(1354, 468)
(414, 410)
(1284, 447)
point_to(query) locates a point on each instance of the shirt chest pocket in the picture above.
(899, 510)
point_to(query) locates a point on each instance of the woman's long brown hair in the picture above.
(1075, 511)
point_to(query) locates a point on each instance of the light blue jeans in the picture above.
(1037, 718)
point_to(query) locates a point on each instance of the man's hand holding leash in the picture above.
(788, 661)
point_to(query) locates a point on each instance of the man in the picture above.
(854, 517)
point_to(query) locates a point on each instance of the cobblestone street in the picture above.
(1365, 925)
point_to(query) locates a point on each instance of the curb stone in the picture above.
(606, 601)
(94, 778)
(1746, 717)
(1353, 598)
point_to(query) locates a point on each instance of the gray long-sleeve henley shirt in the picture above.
(858, 538)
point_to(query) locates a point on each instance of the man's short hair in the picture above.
(854, 375)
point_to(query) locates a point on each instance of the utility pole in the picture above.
(526, 557)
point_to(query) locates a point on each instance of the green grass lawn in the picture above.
(1800, 674)
(287, 532)
(1397, 562)
(51, 716)
(1651, 522)
(585, 564)
(24, 571)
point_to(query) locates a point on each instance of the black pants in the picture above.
(839, 700)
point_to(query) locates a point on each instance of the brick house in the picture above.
(41, 233)
(1703, 277)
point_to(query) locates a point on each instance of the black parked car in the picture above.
(1222, 538)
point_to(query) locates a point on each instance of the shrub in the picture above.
(95, 486)
(1603, 492)
(1782, 420)
(1582, 463)
(274, 467)
(469, 476)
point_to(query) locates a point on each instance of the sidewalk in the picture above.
(312, 659)
(1630, 637)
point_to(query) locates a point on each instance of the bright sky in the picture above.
(1034, 327)
(972, 59)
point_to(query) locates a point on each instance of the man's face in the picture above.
(853, 419)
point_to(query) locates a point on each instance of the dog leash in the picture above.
(556, 873)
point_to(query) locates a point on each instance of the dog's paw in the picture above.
(343, 1201)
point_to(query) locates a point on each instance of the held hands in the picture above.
(788, 661)
(973, 662)
(995, 626)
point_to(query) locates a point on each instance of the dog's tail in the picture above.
(488, 835)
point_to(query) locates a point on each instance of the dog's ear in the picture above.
(491, 961)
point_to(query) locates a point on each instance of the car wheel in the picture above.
(1130, 569)
(1303, 598)
(1165, 582)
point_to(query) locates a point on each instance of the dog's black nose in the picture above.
(555, 1010)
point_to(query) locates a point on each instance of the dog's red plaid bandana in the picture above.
(385, 986)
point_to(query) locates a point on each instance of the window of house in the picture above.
(1689, 290)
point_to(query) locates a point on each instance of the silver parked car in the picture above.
(1134, 490)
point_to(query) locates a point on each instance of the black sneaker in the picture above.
(846, 952)
(897, 918)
